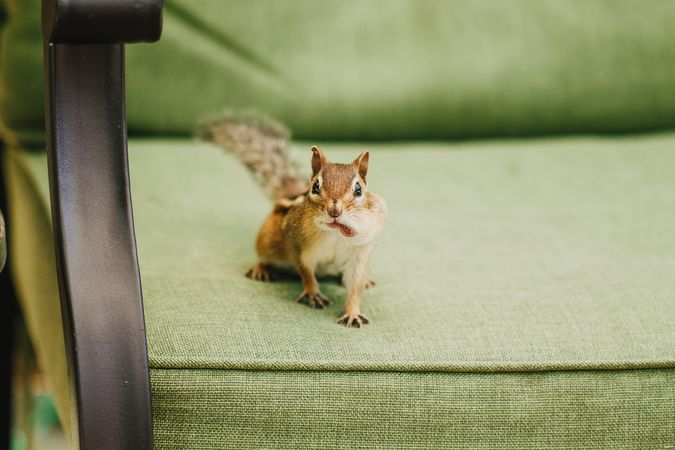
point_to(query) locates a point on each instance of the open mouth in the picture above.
(344, 229)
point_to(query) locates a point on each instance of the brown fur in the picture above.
(298, 233)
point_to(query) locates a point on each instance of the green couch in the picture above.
(525, 295)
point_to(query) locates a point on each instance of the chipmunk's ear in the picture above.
(318, 159)
(361, 164)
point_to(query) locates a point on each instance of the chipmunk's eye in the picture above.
(357, 190)
(315, 188)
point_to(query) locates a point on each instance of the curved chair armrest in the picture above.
(97, 267)
(101, 21)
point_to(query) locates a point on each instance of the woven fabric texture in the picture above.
(216, 409)
(497, 257)
(353, 69)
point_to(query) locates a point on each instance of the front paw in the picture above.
(314, 299)
(353, 319)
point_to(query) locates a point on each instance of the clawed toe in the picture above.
(314, 300)
(355, 320)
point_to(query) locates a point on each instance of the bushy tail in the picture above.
(261, 144)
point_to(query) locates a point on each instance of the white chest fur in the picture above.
(331, 253)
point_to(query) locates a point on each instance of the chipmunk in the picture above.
(324, 227)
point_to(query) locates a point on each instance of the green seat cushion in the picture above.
(354, 69)
(524, 300)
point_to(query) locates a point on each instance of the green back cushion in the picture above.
(376, 69)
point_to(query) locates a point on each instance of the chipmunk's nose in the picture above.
(334, 209)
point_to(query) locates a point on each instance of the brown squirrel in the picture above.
(328, 229)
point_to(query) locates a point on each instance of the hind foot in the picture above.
(260, 272)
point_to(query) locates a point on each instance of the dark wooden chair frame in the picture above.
(97, 268)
